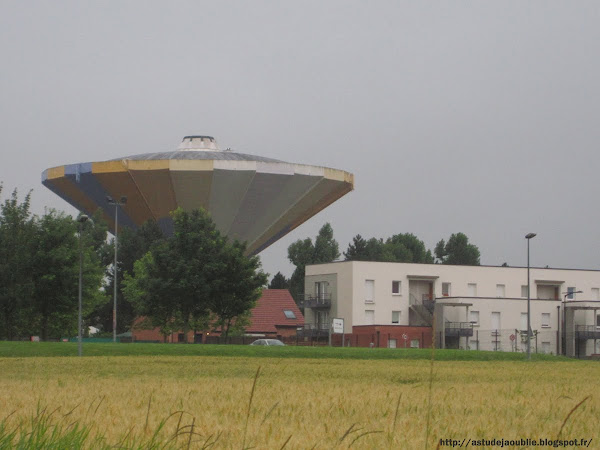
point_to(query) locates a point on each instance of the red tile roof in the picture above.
(268, 314)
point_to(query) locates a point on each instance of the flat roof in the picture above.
(460, 265)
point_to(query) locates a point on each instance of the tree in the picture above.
(357, 249)
(55, 270)
(17, 232)
(457, 251)
(408, 248)
(303, 252)
(398, 248)
(237, 285)
(39, 271)
(194, 274)
(326, 247)
(133, 245)
(148, 293)
(279, 281)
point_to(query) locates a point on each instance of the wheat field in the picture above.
(221, 402)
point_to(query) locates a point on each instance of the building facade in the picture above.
(468, 307)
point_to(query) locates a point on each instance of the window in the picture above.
(396, 287)
(474, 318)
(500, 291)
(289, 314)
(392, 343)
(414, 343)
(446, 289)
(495, 321)
(571, 291)
(524, 291)
(321, 290)
(369, 291)
(395, 316)
(369, 317)
(546, 320)
(595, 293)
(472, 289)
(598, 321)
(523, 321)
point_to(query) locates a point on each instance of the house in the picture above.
(473, 307)
(275, 315)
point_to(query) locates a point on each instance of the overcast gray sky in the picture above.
(480, 117)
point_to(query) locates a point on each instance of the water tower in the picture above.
(250, 198)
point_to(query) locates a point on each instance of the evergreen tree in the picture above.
(357, 249)
(279, 281)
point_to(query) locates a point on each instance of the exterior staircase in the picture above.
(423, 309)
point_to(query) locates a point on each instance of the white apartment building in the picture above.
(475, 307)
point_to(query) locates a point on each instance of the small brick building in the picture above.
(275, 315)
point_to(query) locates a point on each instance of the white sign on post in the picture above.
(338, 326)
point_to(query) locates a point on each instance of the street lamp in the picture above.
(528, 236)
(81, 219)
(122, 202)
(564, 321)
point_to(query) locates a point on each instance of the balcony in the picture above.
(316, 301)
(587, 332)
(314, 330)
(457, 329)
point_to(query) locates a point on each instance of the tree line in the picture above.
(403, 247)
(39, 270)
(194, 279)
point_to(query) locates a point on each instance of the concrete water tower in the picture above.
(251, 198)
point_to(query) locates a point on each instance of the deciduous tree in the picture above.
(457, 251)
(133, 245)
(303, 252)
(17, 234)
(193, 275)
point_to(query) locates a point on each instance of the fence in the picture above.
(504, 340)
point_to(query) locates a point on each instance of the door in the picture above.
(392, 343)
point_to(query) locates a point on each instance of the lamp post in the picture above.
(122, 202)
(564, 321)
(528, 236)
(81, 219)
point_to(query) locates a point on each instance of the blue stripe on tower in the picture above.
(94, 190)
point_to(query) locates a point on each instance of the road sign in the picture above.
(405, 337)
(338, 326)
(512, 337)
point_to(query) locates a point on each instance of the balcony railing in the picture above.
(459, 329)
(587, 331)
(316, 301)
